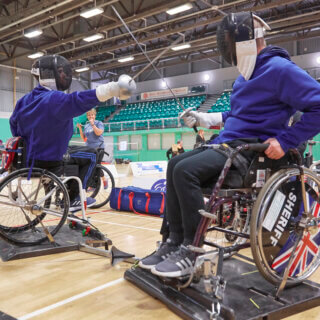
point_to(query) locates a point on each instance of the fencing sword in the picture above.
(157, 57)
(150, 61)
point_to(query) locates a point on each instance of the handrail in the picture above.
(109, 124)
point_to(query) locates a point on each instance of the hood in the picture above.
(272, 51)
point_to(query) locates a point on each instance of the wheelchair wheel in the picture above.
(99, 189)
(273, 228)
(315, 167)
(231, 217)
(28, 208)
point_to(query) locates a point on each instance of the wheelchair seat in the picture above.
(259, 170)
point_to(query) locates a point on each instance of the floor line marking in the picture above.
(124, 225)
(68, 300)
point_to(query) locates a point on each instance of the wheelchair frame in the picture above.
(35, 208)
(203, 293)
(209, 264)
(208, 267)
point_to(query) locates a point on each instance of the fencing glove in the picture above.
(126, 87)
(199, 119)
(121, 89)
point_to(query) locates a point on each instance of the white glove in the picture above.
(122, 89)
(199, 119)
(127, 86)
(108, 90)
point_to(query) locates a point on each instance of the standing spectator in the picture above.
(175, 150)
(92, 135)
(200, 140)
(93, 130)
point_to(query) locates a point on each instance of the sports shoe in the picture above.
(178, 264)
(105, 184)
(75, 205)
(90, 202)
(164, 251)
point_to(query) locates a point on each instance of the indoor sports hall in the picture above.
(159, 159)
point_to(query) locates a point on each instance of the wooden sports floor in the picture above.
(77, 285)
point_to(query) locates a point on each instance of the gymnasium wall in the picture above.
(5, 132)
(152, 145)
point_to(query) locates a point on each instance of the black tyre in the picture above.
(99, 189)
(28, 208)
(273, 228)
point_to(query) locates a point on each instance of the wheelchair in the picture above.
(276, 208)
(34, 203)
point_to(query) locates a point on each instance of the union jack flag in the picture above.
(306, 250)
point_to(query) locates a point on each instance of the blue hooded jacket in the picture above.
(261, 107)
(44, 119)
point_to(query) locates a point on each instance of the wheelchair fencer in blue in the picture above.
(44, 119)
(35, 202)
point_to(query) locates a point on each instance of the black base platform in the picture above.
(66, 239)
(247, 295)
(4, 316)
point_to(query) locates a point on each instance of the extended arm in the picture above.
(200, 119)
(83, 137)
(68, 106)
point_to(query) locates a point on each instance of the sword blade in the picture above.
(157, 57)
(147, 57)
(150, 62)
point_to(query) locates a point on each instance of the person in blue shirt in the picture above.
(44, 117)
(93, 130)
(92, 136)
(268, 91)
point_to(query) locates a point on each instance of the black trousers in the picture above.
(84, 157)
(186, 174)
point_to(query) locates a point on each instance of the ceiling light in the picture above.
(206, 77)
(126, 59)
(33, 33)
(179, 9)
(318, 60)
(163, 84)
(36, 55)
(94, 37)
(91, 12)
(82, 69)
(181, 47)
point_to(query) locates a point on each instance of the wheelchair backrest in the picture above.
(261, 168)
(14, 155)
(100, 155)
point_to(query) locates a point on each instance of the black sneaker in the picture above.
(163, 252)
(176, 265)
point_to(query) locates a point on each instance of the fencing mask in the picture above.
(236, 38)
(54, 72)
